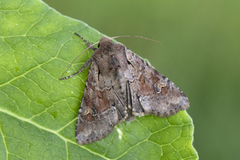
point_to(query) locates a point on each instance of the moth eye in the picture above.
(98, 45)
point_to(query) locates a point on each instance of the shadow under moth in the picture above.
(119, 86)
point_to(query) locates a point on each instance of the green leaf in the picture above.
(38, 112)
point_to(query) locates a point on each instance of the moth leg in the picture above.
(86, 64)
(88, 43)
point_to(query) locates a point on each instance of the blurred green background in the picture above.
(200, 53)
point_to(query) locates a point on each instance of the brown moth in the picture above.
(120, 85)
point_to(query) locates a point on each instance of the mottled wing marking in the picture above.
(98, 113)
(101, 108)
(152, 93)
(119, 86)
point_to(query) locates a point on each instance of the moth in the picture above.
(119, 86)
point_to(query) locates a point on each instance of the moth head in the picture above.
(104, 41)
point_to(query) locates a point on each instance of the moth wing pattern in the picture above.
(98, 113)
(119, 86)
(151, 92)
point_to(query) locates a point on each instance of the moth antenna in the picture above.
(77, 58)
(136, 37)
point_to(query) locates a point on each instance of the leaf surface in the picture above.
(38, 112)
